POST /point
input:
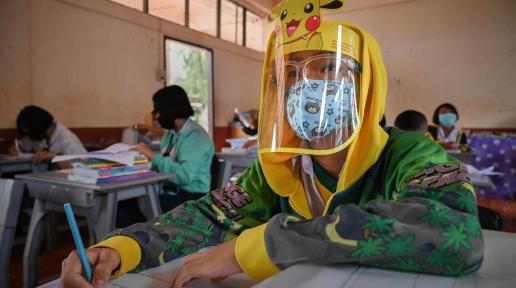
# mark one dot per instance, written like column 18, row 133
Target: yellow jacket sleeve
column 251, row 254
column 128, row 249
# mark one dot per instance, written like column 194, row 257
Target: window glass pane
column 228, row 21
column 171, row 10
column 190, row 67
column 135, row 4
column 203, row 16
column 254, row 31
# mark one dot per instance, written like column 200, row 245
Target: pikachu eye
column 284, row 14
column 309, row 8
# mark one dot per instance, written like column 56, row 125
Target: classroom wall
column 436, row 51
column 15, row 71
column 94, row 63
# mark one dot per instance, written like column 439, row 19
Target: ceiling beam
column 260, row 7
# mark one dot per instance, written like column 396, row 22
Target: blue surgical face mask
column 316, row 108
column 447, row 119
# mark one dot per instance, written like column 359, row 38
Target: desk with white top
column 498, row 270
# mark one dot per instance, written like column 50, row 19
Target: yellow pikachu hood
column 323, row 90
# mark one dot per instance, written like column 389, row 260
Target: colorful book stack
column 98, row 171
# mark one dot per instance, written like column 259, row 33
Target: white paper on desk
column 126, row 158
column 23, row 156
column 114, row 149
column 484, row 172
column 118, row 152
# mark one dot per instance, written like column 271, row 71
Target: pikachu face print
column 298, row 21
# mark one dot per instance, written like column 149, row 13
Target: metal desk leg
column 31, row 251
column 105, row 222
column 149, row 204
column 6, row 241
column 91, row 232
column 154, row 199
column 51, row 232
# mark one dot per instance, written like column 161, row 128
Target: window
column 203, row 16
column 190, row 67
column 226, row 23
column 171, row 10
column 231, row 22
column 254, row 31
column 135, row 4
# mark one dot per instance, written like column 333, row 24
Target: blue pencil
column 86, row 266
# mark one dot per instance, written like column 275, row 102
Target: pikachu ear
column 274, row 13
column 332, row 4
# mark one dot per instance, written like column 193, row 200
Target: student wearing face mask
column 331, row 186
column 186, row 149
column 445, row 130
column 39, row 133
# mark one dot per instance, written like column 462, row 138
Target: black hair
column 33, row 122
column 450, row 106
column 411, row 120
column 172, row 101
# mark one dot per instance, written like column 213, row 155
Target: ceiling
column 263, row 6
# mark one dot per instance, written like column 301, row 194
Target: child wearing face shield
column 445, row 130
column 330, row 185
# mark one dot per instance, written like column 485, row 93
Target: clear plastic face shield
column 311, row 103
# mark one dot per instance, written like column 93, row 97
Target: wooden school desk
column 96, row 202
column 498, row 270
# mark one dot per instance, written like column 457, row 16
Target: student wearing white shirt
column 39, row 133
column 445, row 130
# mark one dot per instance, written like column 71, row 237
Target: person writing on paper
column 186, row 149
column 39, row 133
column 331, row 186
column 445, row 131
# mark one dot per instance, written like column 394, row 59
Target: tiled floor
column 49, row 265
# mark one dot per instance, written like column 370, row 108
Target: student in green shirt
column 186, row 149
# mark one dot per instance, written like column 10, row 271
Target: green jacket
column 414, row 210
column 190, row 157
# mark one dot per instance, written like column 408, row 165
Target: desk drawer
column 61, row 194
